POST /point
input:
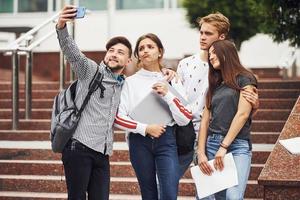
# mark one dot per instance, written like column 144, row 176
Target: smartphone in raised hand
column 80, row 13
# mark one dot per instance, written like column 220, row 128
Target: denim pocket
column 214, row 140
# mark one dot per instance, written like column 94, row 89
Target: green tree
column 281, row 19
column 243, row 15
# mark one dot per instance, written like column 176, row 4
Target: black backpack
column 66, row 115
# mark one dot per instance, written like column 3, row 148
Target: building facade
column 131, row 18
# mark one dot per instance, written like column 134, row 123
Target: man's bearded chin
column 114, row 68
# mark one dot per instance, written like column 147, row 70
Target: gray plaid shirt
column 95, row 128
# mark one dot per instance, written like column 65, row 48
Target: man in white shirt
column 194, row 73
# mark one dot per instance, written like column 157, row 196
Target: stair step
column 279, row 93
column 267, row 125
column 36, row 94
column 262, row 114
column 41, row 85
column 282, row 84
column 35, row 113
column 48, row 94
column 55, row 168
column 123, row 185
column 16, row 195
column 267, row 72
column 36, row 103
column 272, row 114
column 264, row 137
column 119, row 136
column 41, row 124
column 40, row 150
column 44, row 124
column 54, row 85
column 8, row 195
column 42, row 135
column 266, row 103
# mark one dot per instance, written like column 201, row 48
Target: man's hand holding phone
column 69, row 13
column 80, row 12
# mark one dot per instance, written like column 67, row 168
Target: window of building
column 94, row 4
column 6, row 6
column 32, row 5
column 139, row 4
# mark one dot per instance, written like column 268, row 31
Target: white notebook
column 154, row 110
column 292, row 145
column 218, row 181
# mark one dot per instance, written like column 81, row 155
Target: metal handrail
column 21, row 50
column 37, row 42
column 30, row 33
column 15, row 49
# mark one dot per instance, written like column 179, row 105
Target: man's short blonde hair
column 218, row 20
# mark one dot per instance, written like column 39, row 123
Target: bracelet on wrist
column 224, row 146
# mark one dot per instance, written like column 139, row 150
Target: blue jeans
column 155, row 156
column 241, row 151
column 86, row 171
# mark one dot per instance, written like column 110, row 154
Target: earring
column 159, row 55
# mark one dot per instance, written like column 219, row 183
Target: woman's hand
column 219, row 159
column 203, row 164
column 155, row 130
column 160, row 88
column 169, row 75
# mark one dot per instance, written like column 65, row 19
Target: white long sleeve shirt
column 194, row 74
column 135, row 88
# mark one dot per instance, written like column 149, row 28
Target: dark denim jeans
column 86, row 171
column 186, row 160
column 155, row 156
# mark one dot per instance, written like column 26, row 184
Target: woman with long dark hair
column 152, row 147
column 226, row 121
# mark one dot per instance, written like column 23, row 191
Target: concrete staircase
column 29, row 169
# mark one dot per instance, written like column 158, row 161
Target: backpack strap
column 95, row 83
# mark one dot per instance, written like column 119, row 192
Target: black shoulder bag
column 185, row 137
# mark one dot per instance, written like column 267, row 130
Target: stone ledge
column 281, row 174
